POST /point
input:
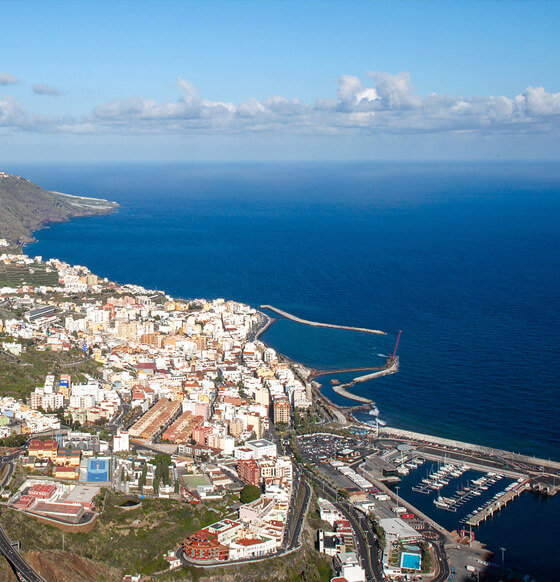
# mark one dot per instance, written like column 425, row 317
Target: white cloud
column 7, row 79
column 387, row 104
column 42, row 89
column 12, row 112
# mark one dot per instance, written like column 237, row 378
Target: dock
column 317, row 324
column 488, row 510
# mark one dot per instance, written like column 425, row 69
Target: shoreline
column 346, row 411
column 95, row 210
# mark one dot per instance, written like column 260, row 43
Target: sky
column 172, row 80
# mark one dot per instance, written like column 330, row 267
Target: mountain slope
column 25, row 207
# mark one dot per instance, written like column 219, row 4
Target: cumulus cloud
column 15, row 117
column 381, row 103
column 7, row 79
column 42, row 89
column 387, row 104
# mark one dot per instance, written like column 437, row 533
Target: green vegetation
column 19, row 376
column 426, row 557
column 307, row 565
column 250, row 493
column 36, row 275
column 142, row 478
column 308, row 421
column 16, row 440
column 379, row 532
column 315, row 521
column 25, row 206
column 133, row 540
column 162, row 463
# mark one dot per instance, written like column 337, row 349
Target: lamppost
column 503, row 551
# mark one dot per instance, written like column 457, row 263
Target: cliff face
column 25, row 207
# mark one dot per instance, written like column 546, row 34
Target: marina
column 499, row 501
column 456, row 490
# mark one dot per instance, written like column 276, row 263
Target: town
column 145, row 397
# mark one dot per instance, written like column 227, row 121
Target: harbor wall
column 317, row 324
column 389, row 431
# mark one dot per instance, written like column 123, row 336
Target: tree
column 250, row 493
column 142, row 478
column 426, row 557
column 156, row 484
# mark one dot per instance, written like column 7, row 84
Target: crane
column 396, row 345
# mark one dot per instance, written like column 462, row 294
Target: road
column 444, row 570
column 296, row 515
column 22, row 569
column 365, row 538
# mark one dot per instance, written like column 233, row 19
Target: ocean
column 463, row 257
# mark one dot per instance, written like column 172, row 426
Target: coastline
column 348, row 409
column 28, row 208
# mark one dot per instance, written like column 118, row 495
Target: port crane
column 396, row 346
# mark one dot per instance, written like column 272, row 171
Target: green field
column 20, row 375
column 17, row 275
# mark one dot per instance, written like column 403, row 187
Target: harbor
column 460, row 487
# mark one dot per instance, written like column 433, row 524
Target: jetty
column 317, row 373
column 391, row 366
column 317, row 324
column 491, row 508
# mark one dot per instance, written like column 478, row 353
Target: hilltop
column 26, row 207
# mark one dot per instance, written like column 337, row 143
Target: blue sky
column 134, row 80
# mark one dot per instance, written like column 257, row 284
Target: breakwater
column 262, row 325
column 317, row 324
column 549, row 464
column 391, row 367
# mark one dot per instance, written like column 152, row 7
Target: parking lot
column 324, row 447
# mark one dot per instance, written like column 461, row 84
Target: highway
column 21, row 568
column 296, row 515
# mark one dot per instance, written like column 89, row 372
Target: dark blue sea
column 463, row 257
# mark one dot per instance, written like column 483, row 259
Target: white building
column 121, row 441
column 262, row 448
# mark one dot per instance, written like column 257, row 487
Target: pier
column 317, row 324
column 391, row 366
column 488, row 510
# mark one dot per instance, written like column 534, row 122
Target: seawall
column 392, row 368
column 317, row 324
column 388, row 431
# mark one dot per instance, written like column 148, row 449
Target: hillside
column 25, row 207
